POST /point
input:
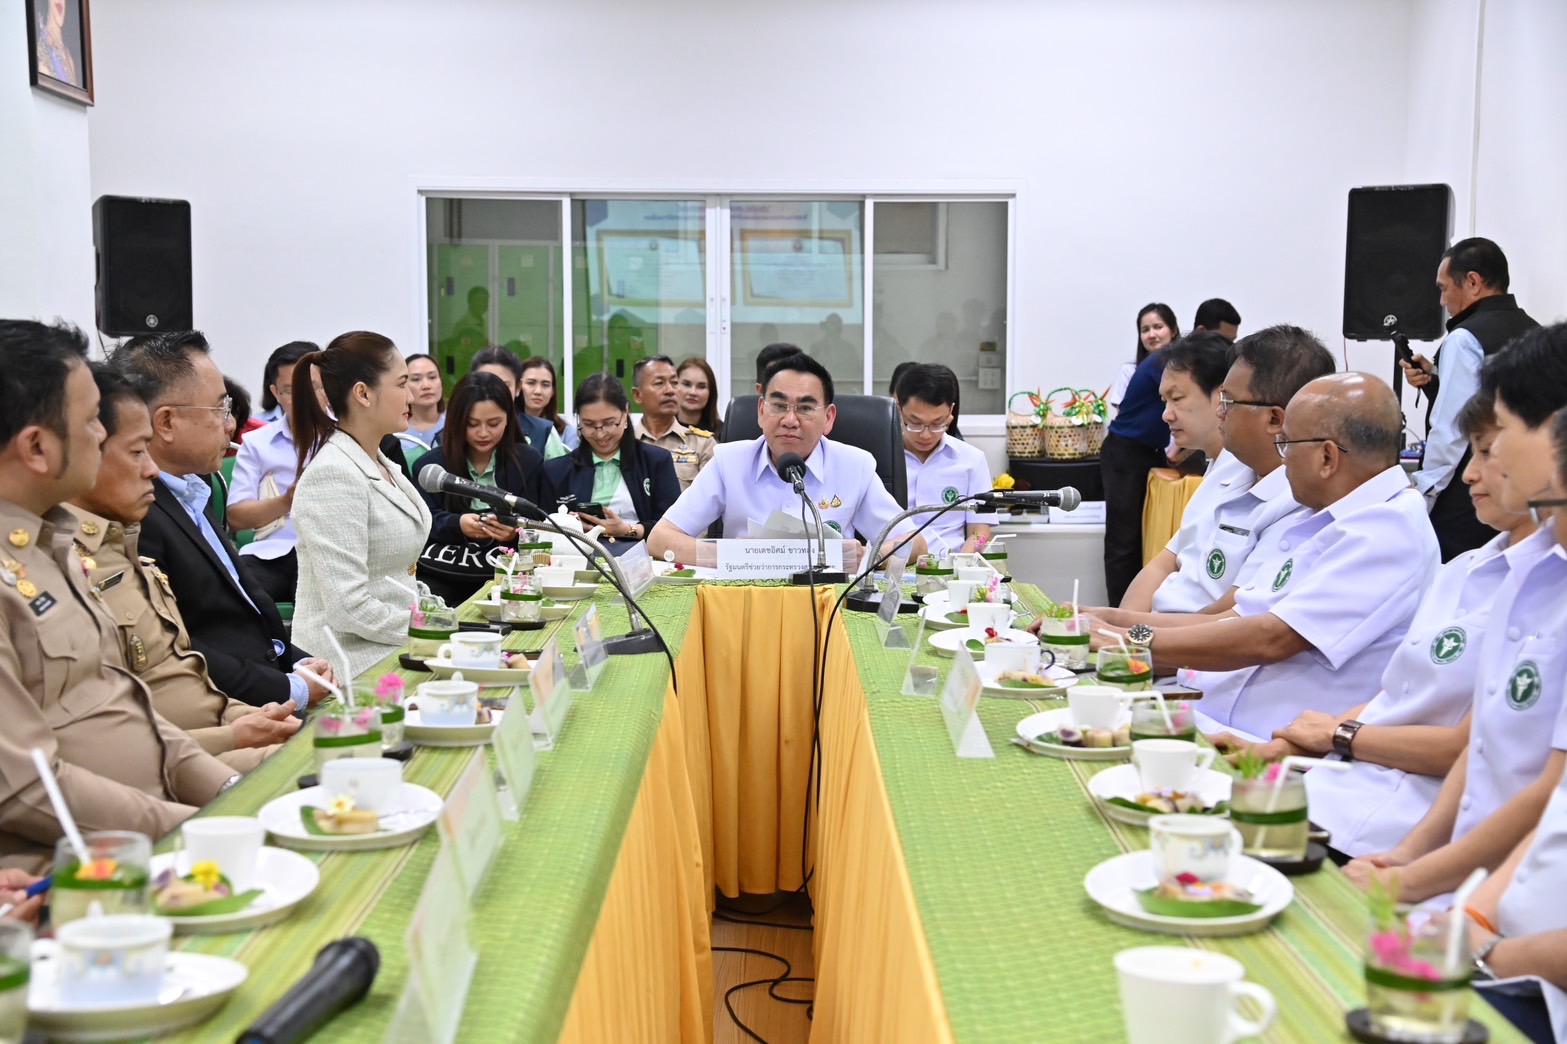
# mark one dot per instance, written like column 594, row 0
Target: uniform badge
column 19, row 538
column 1449, row 645
column 42, row 604
column 835, row 527
column 1523, row 688
column 824, row 504
column 90, row 528
column 1217, row 564
column 699, row 432
column 26, row 588
column 138, row 651
column 949, row 495
column 1285, row 572
column 837, row 501
column 12, row 565
column 647, row 486
column 7, row 578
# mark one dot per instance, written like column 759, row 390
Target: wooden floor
column 774, row 1021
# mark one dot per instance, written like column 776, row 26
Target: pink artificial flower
column 362, row 718
column 1188, row 879
column 1391, row 948
column 1273, row 772
column 417, row 617
column 330, row 725
column 389, row 687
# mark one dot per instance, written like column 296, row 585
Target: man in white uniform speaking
column 742, row 482
column 1330, row 591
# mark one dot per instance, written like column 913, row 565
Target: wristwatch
column 1344, row 738
column 1140, row 634
column 1483, row 971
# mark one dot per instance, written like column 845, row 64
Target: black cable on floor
column 721, row 916
column 772, row 985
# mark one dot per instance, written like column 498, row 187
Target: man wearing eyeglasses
column 231, row 619
column 941, row 469
column 1327, row 592
column 796, row 413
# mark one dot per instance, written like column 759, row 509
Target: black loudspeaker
column 143, row 248
column 1396, row 237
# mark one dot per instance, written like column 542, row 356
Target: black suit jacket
column 650, row 477
column 235, row 637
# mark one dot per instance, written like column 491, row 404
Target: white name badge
column 470, row 821
column 771, row 559
column 637, row 565
column 960, row 708
column 514, row 756
column 589, row 634
column 440, row 960
column 551, row 695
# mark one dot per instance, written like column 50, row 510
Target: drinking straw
column 1455, row 924
column 328, row 686
column 1277, row 790
column 346, row 694
column 1164, row 708
column 62, row 811
column 1074, row 605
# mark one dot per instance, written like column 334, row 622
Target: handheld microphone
column 791, row 466
column 435, row 479
column 1066, row 498
column 338, row 980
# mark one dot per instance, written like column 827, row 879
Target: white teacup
column 480, row 649
column 1096, row 706
column 959, row 592
column 233, row 842
column 1014, row 656
column 373, row 783
column 1203, row 846
column 979, row 574
column 572, row 562
column 112, row 960
column 449, row 703
column 990, row 614
column 1174, row 995
column 557, row 576
column 1170, row 764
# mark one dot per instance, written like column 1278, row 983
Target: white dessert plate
column 989, row 672
column 935, row 615
column 947, row 642
column 483, row 675
column 1114, row 883
column 423, row 735
column 491, row 609
column 1123, row 782
column 285, row 879
column 1036, row 725
column 574, row 593
column 416, row 809
column 195, row 986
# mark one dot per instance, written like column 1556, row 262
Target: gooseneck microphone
column 1066, row 498
column 338, row 980
column 435, row 479
column 791, row 467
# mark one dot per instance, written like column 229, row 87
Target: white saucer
column 285, row 879
column 448, row 735
column 988, row 672
column 491, row 609
column 1123, row 782
column 589, row 576
column 194, row 987
column 574, row 593
column 1035, row 725
column 417, row 810
column 935, row 615
column 947, row 642
column 483, row 675
column 1113, row 885
column 940, row 597
column 665, row 578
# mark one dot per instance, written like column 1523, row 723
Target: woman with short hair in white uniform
column 1404, row 741
column 941, row 467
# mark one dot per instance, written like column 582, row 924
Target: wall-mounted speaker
column 144, row 268
column 1396, row 237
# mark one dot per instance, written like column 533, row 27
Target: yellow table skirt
column 648, row 972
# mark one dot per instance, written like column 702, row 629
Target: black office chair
column 870, row 422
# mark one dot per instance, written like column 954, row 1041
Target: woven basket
column 1065, row 437
column 1025, row 438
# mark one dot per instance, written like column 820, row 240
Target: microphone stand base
column 819, row 577
column 870, row 602
column 634, row 644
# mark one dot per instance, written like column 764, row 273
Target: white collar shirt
column 267, row 453
column 1429, row 681
column 1533, row 900
column 1517, row 717
column 1219, row 528
column 1347, row 579
column 954, row 469
column 740, row 484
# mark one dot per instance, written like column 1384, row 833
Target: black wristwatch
column 1344, row 739
column 1140, row 634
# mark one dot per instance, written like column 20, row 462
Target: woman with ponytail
column 361, row 523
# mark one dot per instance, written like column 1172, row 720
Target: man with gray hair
column 1328, row 592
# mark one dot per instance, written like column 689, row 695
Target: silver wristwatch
column 1483, row 971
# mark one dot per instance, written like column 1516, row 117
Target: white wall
column 46, row 255
column 1159, row 151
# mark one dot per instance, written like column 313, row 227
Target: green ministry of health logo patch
column 949, row 495
column 834, row 526
column 1216, row 563
column 1449, row 645
column 1523, row 688
column 1285, row 572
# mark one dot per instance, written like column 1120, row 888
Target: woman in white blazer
column 361, row 523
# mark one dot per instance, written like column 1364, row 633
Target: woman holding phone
column 613, row 479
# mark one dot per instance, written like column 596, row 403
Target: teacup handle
column 1050, row 653
column 1240, row 1026
column 1237, row 843
column 444, row 652
column 1206, row 757
column 45, row 949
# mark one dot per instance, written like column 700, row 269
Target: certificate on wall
column 797, row 268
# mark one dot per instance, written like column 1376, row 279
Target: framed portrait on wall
column 59, row 48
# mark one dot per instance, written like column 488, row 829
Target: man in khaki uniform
column 137, row 595
column 654, row 387
column 62, row 689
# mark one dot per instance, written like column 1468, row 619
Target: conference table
column 948, row 893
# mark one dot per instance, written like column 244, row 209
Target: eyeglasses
column 226, row 409
column 1535, row 507
column 1225, row 402
column 921, row 429
column 595, row 427
column 803, row 410
column 1280, row 442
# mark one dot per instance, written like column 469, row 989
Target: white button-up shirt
column 740, row 483
column 267, row 452
column 1533, row 900
column 1347, row 579
column 1429, row 681
column 1218, row 531
column 954, row 469
column 1518, row 702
